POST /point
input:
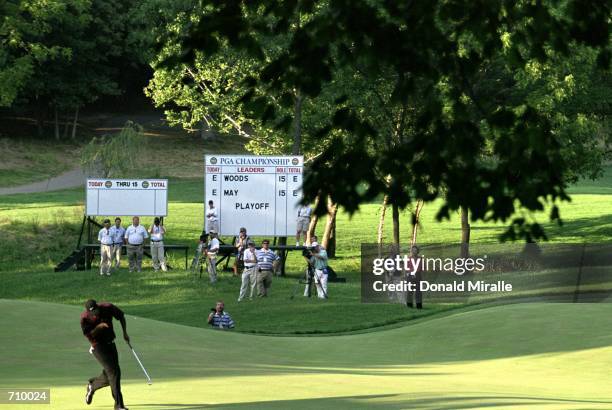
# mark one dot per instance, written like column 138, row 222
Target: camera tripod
column 309, row 282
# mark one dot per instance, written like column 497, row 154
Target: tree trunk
column 416, row 215
column 332, row 210
column 313, row 222
column 465, row 232
column 66, row 127
column 56, row 123
column 396, row 225
column 40, row 118
column 74, row 123
column 381, row 221
column 331, row 244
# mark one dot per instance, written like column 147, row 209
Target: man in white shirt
column 250, row 270
column 106, row 248
column 157, row 232
column 303, row 223
column 212, row 218
column 118, row 232
column 213, row 248
column 135, row 236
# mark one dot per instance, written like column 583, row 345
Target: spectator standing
column 135, row 236
column 211, row 254
column 265, row 267
column 118, row 233
column 106, row 248
column 212, row 218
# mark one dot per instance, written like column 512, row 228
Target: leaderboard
column 260, row 193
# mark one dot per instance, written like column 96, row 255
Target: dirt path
column 100, row 124
column 69, row 179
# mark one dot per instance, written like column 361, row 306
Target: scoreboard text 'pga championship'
column 261, row 193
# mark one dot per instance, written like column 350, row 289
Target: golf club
column 149, row 382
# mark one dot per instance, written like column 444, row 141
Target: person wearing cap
column 241, row 245
column 211, row 254
column 118, row 232
column 157, row 232
column 250, row 270
column 319, row 263
column 303, row 223
column 212, row 217
column 265, row 266
column 105, row 238
column 135, row 236
column 97, row 327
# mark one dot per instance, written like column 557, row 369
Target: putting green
column 537, row 356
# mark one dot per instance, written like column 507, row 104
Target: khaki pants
column 212, row 226
column 116, row 256
column 212, row 267
column 134, row 254
column 248, row 278
column 157, row 255
column 105, row 259
column 264, row 282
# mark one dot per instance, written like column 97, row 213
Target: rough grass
column 28, row 160
column 43, row 229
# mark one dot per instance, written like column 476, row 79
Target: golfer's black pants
column 106, row 354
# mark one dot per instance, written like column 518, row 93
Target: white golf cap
column 314, row 244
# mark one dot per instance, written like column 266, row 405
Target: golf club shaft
column 140, row 363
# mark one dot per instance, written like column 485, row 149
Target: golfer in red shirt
column 97, row 325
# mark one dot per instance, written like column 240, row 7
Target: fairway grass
column 512, row 357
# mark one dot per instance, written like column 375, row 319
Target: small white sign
column 139, row 197
column 260, row 193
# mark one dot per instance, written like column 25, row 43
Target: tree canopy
column 496, row 157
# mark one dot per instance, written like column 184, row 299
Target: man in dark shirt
column 97, row 326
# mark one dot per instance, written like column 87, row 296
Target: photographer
column 219, row 319
column 241, row 245
column 157, row 232
column 318, row 266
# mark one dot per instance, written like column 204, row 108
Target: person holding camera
column 250, row 271
column 265, row 266
column 241, row 246
column 211, row 254
column 157, row 232
column 219, row 318
column 318, row 264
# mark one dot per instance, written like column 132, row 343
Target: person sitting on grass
column 220, row 319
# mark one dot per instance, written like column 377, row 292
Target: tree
column 61, row 55
column 436, row 51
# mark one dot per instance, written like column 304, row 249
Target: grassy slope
column 470, row 360
column 28, row 160
column 40, row 229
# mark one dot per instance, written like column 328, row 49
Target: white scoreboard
column 139, row 197
column 261, row 193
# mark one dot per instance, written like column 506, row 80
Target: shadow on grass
column 387, row 401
